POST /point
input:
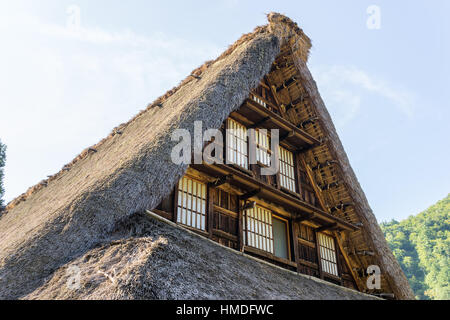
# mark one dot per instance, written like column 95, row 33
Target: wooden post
column 313, row 183
column 347, row 260
column 210, row 202
column 297, row 163
column 295, row 243
column 240, row 226
column 175, row 203
column 338, row 262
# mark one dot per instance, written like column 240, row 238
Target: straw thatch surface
column 61, row 220
column 149, row 259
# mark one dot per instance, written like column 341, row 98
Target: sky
column 70, row 71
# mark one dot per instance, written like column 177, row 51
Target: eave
column 267, row 119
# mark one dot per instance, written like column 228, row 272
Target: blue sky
column 65, row 88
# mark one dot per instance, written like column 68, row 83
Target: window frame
column 182, row 196
column 261, row 148
column 273, row 215
column 255, row 235
column 294, row 171
column 230, row 145
column 324, row 254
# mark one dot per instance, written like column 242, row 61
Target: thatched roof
column 148, row 259
column 65, row 217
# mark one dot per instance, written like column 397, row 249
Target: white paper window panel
column 287, row 173
column 258, row 233
column 328, row 254
column 191, row 209
column 258, row 100
column 263, row 145
column 237, row 144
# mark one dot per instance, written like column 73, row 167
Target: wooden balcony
column 244, row 180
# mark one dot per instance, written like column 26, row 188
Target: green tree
column 2, row 165
column 421, row 245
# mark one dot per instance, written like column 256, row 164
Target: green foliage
column 2, row 165
column 421, row 244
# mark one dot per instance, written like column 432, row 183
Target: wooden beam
column 341, row 206
column 241, row 228
column 210, row 200
column 333, row 225
column 347, row 261
column 307, row 121
column 329, row 185
column 305, row 217
column 274, row 94
column 250, row 194
column 295, row 243
column 286, row 84
column 249, row 205
column 220, row 181
column 290, row 134
column 317, row 191
column 259, row 123
column 324, row 164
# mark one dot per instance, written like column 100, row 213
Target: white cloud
column 63, row 90
column 347, row 89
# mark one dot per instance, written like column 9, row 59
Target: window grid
column 287, row 173
column 237, row 143
column 262, row 147
column 258, row 229
column 258, row 100
column 191, row 207
column 328, row 254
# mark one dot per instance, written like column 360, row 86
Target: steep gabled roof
column 64, row 217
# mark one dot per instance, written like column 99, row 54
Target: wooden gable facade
column 282, row 218
column 311, row 216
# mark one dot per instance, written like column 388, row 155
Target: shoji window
column 262, row 147
column 287, row 173
column 191, row 207
column 327, row 254
column 258, row 229
column 237, row 144
column 258, row 100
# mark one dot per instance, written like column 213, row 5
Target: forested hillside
column 421, row 244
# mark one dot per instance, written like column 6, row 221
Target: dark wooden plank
column 240, row 227
column 175, row 204
column 294, row 243
column 210, row 213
